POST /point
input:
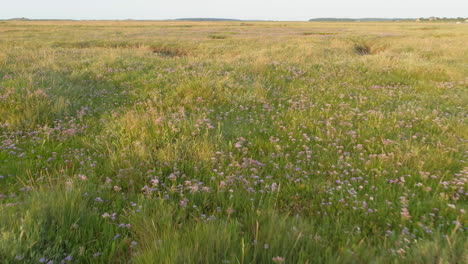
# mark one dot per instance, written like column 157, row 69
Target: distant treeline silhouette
column 325, row 19
column 208, row 19
column 334, row 19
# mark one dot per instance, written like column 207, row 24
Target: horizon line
column 230, row 19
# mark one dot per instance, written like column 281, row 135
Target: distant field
column 233, row 142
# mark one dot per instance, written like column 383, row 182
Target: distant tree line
column 334, row 19
column 208, row 19
column 442, row 19
column 325, row 19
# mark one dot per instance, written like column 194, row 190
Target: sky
column 240, row 9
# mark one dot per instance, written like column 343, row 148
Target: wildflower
column 401, row 251
column 405, row 213
column 222, row 184
column 405, row 231
column 154, row 182
column 403, row 201
column 172, row 177
column 82, row 177
column 451, row 206
column 147, row 190
column 278, row 259
column 184, row 202
column 99, row 200
column 274, row 186
column 69, row 183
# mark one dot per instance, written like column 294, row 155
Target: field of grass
column 233, row 142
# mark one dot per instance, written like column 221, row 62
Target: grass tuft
column 217, row 36
column 166, row 51
column 367, row 47
column 318, row 33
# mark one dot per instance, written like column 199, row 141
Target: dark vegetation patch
column 362, row 49
column 216, row 36
column 367, row 47
column 159, row 49
column 318, row 33
column 12, row 30
column 426, row 28
column 97, row 44
column 180, row 26
column 167, row 51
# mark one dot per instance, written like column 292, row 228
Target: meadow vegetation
column 233, row 142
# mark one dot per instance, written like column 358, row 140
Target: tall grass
column 163, row 142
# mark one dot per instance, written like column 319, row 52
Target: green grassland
column 233, row 142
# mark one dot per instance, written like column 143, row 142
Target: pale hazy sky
column 241, row 9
